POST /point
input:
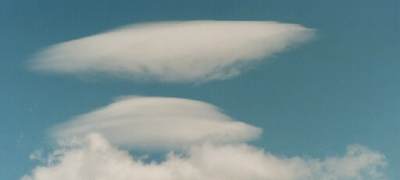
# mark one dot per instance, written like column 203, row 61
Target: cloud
column 96, row 159
column 199, row 142
column 188, row 51
column 158, row 122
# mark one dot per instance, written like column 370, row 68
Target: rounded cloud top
column 158, row 122
column 188, row 51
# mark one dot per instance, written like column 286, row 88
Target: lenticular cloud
column 158, row 123
column 188, row 51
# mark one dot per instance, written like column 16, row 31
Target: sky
column 292, row 101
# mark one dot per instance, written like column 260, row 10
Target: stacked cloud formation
column 202, row 142
column 212, row 148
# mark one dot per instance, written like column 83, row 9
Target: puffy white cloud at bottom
column 96, row 159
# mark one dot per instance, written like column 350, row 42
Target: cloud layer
column 202, row 143
column 188, row 51
column 96, row 159
column 158, row 122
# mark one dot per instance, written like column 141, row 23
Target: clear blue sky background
column 341, row 88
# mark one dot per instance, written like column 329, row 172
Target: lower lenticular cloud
column 96, row 159
column 188, row 51
column 158, row 122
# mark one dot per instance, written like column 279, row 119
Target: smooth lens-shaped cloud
column 157, row 122
column 189, row 51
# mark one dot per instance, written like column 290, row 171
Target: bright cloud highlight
column 158, row 122
column 95, row 158
column 187, row 51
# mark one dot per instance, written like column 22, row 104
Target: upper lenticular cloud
column 159, row 122
column 188, row 51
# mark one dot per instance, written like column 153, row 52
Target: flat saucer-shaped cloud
column 157, row 123
column 188, row 51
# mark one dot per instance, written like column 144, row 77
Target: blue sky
column 340, row 88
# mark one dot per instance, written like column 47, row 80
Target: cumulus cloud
column 158, row 122
column 188, row 51
column 95, row 158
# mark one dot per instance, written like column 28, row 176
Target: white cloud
column 189, row 51
column 211, row 147
column 159, row 122
column 96, row 159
